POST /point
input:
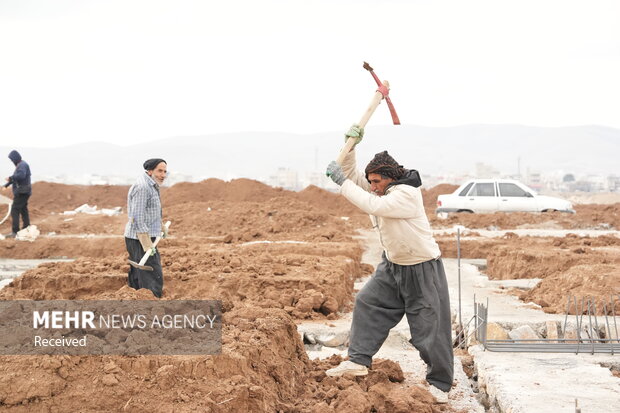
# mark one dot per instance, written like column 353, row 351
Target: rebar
column 458, row 259
column 591, row 341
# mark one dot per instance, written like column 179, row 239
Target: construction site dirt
column 274, row 258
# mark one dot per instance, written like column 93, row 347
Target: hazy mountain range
column 433, row 151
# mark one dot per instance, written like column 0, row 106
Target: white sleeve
column 349, row 167
column 398, row 203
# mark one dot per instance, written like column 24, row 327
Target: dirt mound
column 597, row 281
column 308, row 283
column 275, row 219
column 215, row 189
column 572, row 265
column 61, row 247
column 328, row 201
column 82, row 224
column 588, row 216
column 263, row 368
column 50, row 197
column 430, row 195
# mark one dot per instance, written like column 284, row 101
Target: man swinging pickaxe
column 381, row 93
column 410, row 278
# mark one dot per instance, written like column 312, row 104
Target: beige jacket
column 398, row 216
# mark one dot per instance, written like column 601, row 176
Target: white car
column 498, row 195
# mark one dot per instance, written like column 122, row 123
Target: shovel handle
column 146, row 255
column 374, row 103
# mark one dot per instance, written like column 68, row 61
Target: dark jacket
column 21, row 177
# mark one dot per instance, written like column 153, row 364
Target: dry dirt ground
column 230, row 241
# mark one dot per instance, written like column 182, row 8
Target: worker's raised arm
column 349, row 164
column 401, row 202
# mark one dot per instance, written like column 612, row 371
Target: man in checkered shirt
column 144, row 225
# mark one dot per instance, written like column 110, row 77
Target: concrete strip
column 519, row 382
column 484, row 233
column 503, row 308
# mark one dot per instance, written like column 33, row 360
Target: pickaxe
column 381, row 93
column 141, row 265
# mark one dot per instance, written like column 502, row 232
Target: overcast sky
column 132, row 71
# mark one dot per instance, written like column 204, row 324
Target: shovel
column 140, row 265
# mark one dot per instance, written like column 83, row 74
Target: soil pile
column 430, row 196
column 262, row 368
column 216, row 189
column 572, row 265
column 308, row 283
column 49, row 197
column 588, row 216
column 274, row 219
column 328, row 201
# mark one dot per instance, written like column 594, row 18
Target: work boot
column 439, row 395
column 347, row 367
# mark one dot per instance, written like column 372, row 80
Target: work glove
column 147, row 244
column 354, row 132
column 334, row 171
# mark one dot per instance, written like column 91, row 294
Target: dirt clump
column 382, row 390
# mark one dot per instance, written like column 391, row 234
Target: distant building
column 613, row 183
column 284, row 178
column 315, row 178
column 533, row 180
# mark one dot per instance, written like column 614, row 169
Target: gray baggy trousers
column 421, row 292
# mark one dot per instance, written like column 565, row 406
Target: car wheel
column 466, row 210
column 548, row 210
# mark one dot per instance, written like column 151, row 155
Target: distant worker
column 144, row 225
column 22, row 189
column 410, row 280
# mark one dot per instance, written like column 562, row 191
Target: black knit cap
column 383, row 164
column 151, row 164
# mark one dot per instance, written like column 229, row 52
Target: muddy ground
column 231, row 241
